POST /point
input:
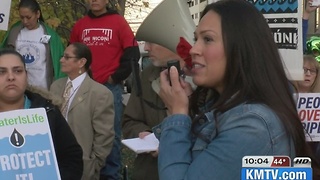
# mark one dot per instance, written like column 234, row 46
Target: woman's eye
column 195, row 39
column 207, row 39
column 18, row 71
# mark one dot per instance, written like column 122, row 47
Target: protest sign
column 285, row 22
column 308, row 106
column 4, row 14
column 27, row 150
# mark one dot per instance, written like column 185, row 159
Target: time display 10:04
column 266, row 161
column 256, row 160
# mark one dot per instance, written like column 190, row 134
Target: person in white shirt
column 40, row 46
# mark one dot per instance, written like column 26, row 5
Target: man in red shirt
column 114, row 49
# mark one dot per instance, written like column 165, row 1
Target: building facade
column 196, row 7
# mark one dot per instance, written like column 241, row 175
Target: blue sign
column 27, row 151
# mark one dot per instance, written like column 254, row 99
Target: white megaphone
column 169, row 21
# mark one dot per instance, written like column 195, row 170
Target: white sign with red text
column 308, row 106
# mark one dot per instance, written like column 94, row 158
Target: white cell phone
column 315, row 3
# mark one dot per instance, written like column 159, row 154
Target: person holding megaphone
column 145, row 108
column 242, row 106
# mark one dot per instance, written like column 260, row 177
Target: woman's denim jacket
column 216, row 152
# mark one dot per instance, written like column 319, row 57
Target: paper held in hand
column 147, row 144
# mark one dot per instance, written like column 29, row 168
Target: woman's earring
column 80, row 71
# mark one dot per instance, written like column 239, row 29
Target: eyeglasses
column 312, row 71
column 68, row 57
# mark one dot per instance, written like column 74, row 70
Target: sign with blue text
column 4, row 14
column 308, row 106
column 27, row 151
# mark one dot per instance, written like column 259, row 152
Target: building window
column 196, row 2
column 202, row 1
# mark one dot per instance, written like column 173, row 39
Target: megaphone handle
column 136, row 76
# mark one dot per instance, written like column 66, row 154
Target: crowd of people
column 85, row 79
column 240, row 101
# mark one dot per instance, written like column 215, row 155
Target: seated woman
column 14, row 95
column 88, row 108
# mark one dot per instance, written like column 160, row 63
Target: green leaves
column 60, row 15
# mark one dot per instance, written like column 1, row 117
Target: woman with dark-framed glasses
column 310, row 84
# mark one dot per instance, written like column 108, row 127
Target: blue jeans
column 113, row 162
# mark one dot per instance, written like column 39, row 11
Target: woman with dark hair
column 15, row 94
column 88, row 108
column 243, row 105
column 39, row 45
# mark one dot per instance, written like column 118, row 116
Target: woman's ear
column 82, row 61
column 38, row 14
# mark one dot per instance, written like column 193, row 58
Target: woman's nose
column 195, row 50
column 24, row 20
column 11, row 76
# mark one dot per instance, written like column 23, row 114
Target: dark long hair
column 33, row 5
column 82, row 51
column 254, row 69
column 8, row 51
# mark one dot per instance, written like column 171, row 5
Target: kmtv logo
column 302, row 162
